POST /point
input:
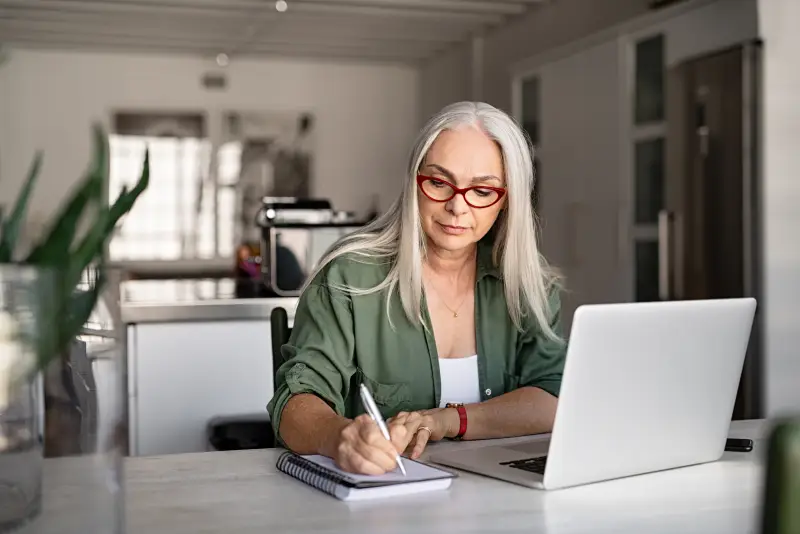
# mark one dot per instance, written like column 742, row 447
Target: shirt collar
column 485, row 261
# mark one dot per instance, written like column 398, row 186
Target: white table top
column 242, row 492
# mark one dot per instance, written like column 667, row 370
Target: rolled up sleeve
column 318, row 359
column 540, row 359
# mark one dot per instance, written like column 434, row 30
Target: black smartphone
column 739, row 445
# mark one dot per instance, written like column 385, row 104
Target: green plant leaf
column 126, row 200
column 54, row 249
column 90, row 247
column 62, row 310
column 12, row 225
column 61, row 317
column 79, row 308
column 93, row 244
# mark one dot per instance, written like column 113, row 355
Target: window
column 196, row 205
column 649, row 83
column 171, row 220
column 229, row 162
column 531, row 116
column 649, row 180
column 648, row 163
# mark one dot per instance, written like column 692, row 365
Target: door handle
column 665, row 219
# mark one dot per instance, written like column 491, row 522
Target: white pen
column 375, row 414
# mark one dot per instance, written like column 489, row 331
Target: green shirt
column 339, row 340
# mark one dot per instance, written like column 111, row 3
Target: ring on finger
column 430, row 432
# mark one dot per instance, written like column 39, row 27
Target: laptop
column 646, row 387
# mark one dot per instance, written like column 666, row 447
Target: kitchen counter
column 193, row 352
column 170, row 301
column 205, row 310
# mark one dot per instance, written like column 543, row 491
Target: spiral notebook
column 322, row 473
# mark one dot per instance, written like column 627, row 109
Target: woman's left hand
column 418, row 428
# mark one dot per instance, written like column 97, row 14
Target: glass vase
column 60, row 430
column 21, row 414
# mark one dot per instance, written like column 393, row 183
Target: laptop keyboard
column 534, row 465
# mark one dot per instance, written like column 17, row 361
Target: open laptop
column 646, row 387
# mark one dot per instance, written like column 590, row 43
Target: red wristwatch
column 462, row 416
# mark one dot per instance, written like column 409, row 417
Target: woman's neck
column 449, row 265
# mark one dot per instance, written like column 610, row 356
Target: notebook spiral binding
column 309, row 472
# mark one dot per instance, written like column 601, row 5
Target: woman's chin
column 452, row 243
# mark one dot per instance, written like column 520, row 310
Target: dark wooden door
column 708, row 231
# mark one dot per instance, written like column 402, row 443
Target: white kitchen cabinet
column 181, row 374
column 579, row 170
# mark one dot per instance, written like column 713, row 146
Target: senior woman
column 443, row 307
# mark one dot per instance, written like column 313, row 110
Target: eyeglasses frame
column 421, row 178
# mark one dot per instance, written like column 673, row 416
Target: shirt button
column 488, row 392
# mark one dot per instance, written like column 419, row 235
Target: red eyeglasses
column 477, row 196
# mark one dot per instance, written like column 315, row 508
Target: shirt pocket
column 391, row 398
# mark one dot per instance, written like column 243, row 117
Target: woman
column 443, row 307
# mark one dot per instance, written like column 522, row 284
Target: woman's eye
column 437, row 183
column 483, row 192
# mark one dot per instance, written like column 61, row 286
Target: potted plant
column 43, row 310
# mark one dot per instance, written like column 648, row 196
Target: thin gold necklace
column 454, row 312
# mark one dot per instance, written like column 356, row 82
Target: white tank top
column 459, row 380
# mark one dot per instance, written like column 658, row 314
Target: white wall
column 366, row 115
column 710, row 26
column 781, row 198
column 551, row 25
column 447, row 78
column 580, row 170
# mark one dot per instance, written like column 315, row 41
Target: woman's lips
column 453, row 230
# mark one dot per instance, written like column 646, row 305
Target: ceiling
column 384, row 30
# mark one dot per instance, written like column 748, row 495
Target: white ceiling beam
column 388, row 30
column 500, row 7
column 378, row 11
column 89, row 6
column 246, row 7
column 294, row 20
column 364, row 32
column 127, row 49
column 509, row 7
column 103, row 37
column 227, row 29
column 129, row 21
column 83, row 43
column 135, row 30
column 220, row 42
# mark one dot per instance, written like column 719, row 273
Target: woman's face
column 464, row 157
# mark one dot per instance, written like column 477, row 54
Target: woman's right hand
column 359, row 447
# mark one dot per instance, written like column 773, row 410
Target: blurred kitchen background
column 666, row 136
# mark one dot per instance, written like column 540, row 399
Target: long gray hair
column 398, row 239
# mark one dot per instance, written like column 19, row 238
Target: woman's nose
column 457, row 205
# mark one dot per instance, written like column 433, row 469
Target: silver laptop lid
column 647, row 387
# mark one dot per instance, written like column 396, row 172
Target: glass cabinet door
column 648, row 163
column 531, row 114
